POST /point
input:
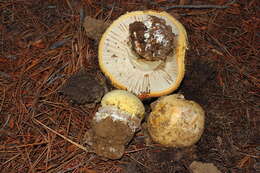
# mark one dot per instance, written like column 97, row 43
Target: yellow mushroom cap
column 124, row 101
column 127, row 71
column 176, row 122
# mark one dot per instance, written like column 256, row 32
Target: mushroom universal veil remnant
column 143, row 52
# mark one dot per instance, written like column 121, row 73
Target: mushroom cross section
column 128, row 71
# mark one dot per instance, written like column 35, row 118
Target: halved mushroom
column 115, row 123
column 136, row 71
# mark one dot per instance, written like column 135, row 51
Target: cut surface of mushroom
column 115, row 123
column 127, row 71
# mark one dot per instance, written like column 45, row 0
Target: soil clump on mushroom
column 108, row 137
column 152, row 39
column 115, row 124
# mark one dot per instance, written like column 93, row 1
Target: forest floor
column 42, row 43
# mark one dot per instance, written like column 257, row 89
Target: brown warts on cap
column 152, row 39
column 84, row 87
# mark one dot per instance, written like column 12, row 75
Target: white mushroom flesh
column 117, row 115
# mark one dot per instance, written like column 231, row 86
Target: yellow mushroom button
column 176, row 122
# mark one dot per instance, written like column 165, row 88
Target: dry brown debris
column 84, row 87
column 94, row 28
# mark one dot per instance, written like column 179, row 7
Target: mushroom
column 176, row 122
column 115, row 123
column 146, row 74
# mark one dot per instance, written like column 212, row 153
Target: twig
column 138, row 162
column 136, row 150
column 12, row 158
column 5, row 76
column 5, row 124
column 249, row 155
column 197, row 7
column 8, row 116
column 69, row 4
column 66, row 160
column 38, row 160
column 60, row 135
column 2, row 103
column 77, row 166
column 55, row 75
column 25, row 145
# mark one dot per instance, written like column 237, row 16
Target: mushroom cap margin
column 124, row 101
column 180, row 51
